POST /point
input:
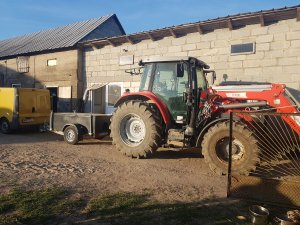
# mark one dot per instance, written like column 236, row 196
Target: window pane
column 242, row 48
column 51, row 62
column 201, row 80
column 146, row 77
column 183, row 82
column 114, row 93
column 165, row 77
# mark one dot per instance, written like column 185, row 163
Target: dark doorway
column 1, row 80
column 54, row 98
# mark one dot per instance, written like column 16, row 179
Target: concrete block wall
column 276, row 59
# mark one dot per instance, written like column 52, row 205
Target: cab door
column 169, row 87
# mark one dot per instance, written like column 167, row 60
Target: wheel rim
column 70, row 135
column 222, row 147
column 132, row 130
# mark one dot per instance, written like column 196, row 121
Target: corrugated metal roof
column 61, row 37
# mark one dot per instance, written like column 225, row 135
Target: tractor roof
column 173, row 59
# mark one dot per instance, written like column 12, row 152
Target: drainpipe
column 33, row 71
column 4, row 79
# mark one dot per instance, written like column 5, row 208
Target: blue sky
column 19, row 17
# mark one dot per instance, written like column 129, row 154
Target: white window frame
column 51, row 60
column 244, row 53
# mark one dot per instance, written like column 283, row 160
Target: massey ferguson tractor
column 176, row 107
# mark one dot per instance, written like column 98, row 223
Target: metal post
column 230, row 154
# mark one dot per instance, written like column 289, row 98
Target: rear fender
column 205, row 129
column 146, row 96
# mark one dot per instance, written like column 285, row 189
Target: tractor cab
column 177, row 81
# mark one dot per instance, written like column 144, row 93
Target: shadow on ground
column 23, row 136
column 165, row 153
column 58, row 206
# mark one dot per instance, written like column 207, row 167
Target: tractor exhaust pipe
column 244, row 105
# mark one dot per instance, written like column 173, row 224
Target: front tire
column 71, row 135
column 4, row 126
column 135, row 129
column 215, row 149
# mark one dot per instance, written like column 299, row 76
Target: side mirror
column 213, row 75
column 180, row 70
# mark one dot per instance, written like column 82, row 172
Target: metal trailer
column 74, row 126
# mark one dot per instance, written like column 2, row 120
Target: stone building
column 52, row 59
column 262, row 46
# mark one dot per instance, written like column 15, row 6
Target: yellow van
column 21, row 107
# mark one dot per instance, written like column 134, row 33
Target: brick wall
column 277, row 56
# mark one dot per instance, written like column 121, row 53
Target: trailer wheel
column 135, row 129
column 4, row 126
column 215, row 149
column 71, row 135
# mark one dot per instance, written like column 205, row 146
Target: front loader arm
column 273, row 94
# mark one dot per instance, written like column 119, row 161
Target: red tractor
column 176, row 107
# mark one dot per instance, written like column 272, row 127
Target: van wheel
column 4, row 126
column 71, row 135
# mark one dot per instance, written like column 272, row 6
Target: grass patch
column 115, row 203
column 37, row 207
column 58, row 206
column 128, row 208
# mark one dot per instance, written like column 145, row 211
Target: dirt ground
column 38, row 160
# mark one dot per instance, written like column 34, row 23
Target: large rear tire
column 215, row 149
column 135, row 129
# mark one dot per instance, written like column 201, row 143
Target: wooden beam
column 199, row 28
column 129, row 40
column 262, row 20
column 173, row 33
column 94, row 46
column 150, row 36
column 298, row 13
column 111, row 43
column 229, row 24
column 81, row 46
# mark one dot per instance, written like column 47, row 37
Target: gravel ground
column 38, row 160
